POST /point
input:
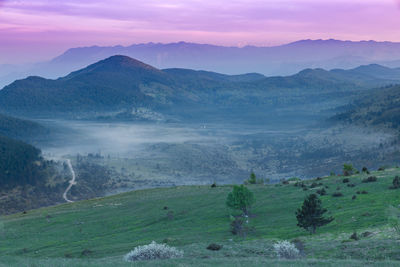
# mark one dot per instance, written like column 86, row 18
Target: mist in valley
column 139, row 155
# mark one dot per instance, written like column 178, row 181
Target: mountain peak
column 123, row 61
column 117, row 63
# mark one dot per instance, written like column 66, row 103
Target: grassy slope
column 110, row 227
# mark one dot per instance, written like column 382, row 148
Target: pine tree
column 310, row 216
column 253, row 178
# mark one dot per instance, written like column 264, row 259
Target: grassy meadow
column 100, row 231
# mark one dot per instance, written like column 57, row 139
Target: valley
column 121, row 136
column 181, row 133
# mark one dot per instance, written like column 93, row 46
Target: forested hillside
column 122, row 84
column 21, row 129
column 380, row 108
column 20, row 163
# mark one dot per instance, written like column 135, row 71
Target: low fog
column 163, row 154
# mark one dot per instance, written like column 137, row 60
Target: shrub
column 321, row 192
column 365, row 169
column 337, row 194
column 314, row 184
column 354, row 197
column 366, row 234
column 382, row 168
column 86, row 252
column 286, row 250
column 348, row 169
column 370, row 179
column 351, row 185
column 364, row 192
column 396, row 183
column 300, row 184
column 213, row 185
column 346, row 180
column 153, row 251
column 214, row 247
column 354, row 236
column 253, row 178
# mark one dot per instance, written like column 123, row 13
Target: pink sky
column 41, row 29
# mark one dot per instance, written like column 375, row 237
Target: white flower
column 286, row 250
column 153, row 251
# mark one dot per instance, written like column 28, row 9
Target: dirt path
column 71, row 182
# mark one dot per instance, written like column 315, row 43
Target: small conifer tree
column 253, row 178
column 310, row 215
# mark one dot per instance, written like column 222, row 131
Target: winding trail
column 71, row 182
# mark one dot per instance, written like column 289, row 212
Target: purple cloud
column 62, row 24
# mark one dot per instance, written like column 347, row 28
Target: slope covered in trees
column 21, row 129
column 120, row 83
column 380, row 108
column 20, row 163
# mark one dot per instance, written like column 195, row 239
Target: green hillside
column 100, row 231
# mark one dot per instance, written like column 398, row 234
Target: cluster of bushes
column 348, row 170
column 314, row 184
column 300, row 184
column 337, row 194
column 254, row 180
column 370, row 179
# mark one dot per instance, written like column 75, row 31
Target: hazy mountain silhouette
column 278, row 60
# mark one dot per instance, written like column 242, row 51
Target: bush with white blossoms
column 286, row 250
column 153, row 251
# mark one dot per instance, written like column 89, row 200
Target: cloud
column 226, row 22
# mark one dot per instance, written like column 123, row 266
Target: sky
column 38, row 30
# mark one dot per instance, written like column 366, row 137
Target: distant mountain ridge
column 120, row 84
column 277, row 60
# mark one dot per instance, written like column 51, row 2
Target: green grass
column 112, row 226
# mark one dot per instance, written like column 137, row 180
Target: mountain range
column 120, row 84
column 277, row 60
